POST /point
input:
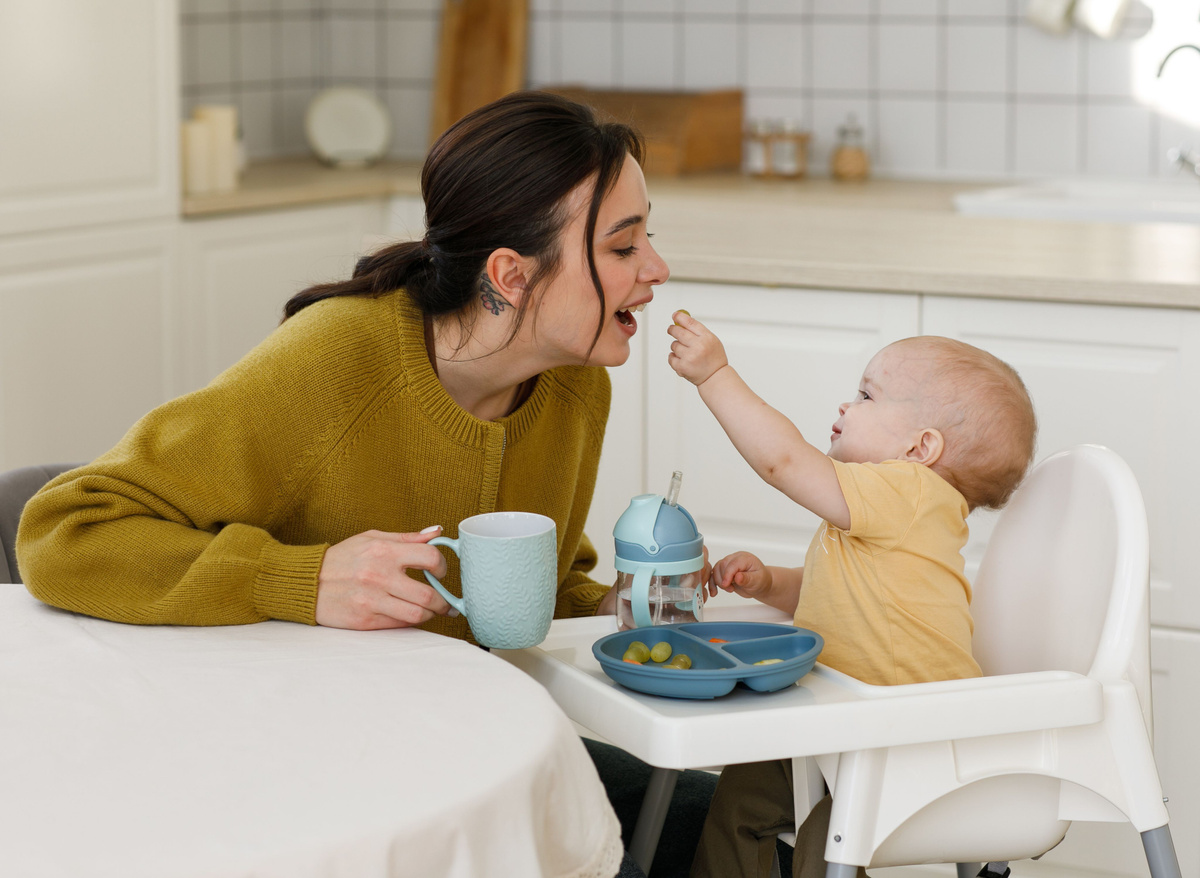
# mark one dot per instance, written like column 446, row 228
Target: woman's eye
column 626, row 251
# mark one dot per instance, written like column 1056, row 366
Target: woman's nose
column 654, row 271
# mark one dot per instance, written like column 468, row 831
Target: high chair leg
column 650, row 819
column 840, row 870
column 1160, row 853
column 968, row 870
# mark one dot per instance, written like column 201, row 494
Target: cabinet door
column 803, row 351
column 239, row 271
column 89, row 96
column 1120, row 377
column 1114, row 850
column 1176, row 663
column 84, row 338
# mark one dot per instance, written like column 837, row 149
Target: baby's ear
column 927, row 447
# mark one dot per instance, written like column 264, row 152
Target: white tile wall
column 943, row 88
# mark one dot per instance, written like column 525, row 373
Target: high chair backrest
column 1064, row 583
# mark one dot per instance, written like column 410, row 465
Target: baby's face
column 884, row 418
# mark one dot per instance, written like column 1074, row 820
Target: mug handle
column 639, row 598
column 457, row 603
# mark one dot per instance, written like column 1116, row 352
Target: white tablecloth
column 282, row 750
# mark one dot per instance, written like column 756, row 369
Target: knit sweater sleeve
column 173, row 525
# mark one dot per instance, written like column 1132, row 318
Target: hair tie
column 431, row 250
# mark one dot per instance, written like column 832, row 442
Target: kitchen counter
column 884, row 235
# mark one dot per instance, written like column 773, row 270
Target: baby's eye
column 863, row 395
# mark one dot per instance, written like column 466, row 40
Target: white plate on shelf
column 347, row 127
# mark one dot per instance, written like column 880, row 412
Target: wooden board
column 686, row 132
column 481, row 57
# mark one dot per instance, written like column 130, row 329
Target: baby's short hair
column 985, row 415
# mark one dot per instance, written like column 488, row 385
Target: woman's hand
column 742, row 573
column 363, row 582
column 696, row 354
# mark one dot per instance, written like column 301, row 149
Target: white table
column 826, row 712
column 282, row 750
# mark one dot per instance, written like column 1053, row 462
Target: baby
column 938, row 428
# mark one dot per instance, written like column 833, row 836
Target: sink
column 1175, row 200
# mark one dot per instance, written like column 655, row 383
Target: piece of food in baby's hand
column 661, row 651
column 682, row 311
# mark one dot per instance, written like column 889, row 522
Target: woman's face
column 567, row 312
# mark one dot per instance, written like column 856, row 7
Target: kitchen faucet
column 1172, row 52
column 1180, row 156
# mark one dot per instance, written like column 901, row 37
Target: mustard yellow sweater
column 216, row 508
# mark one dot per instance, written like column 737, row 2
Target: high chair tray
column 723, row 654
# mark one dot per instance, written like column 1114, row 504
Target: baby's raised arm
column 769, row 442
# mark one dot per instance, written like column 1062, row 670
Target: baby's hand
column 742, row 574
column 696, row 354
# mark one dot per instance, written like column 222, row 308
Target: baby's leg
column 808, row 861
column 752, row 805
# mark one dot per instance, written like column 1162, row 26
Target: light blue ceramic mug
column 509, row 567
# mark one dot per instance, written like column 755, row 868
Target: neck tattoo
column 490, row 296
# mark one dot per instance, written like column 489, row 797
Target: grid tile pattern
column 271, row 57
column 943, row 88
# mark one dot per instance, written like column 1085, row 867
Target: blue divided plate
column 716, row 667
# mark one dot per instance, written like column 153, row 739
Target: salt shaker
column 789, row 150
column 757, row 158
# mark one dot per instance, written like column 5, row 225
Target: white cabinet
column 89, row 114
column 238, row 271
column 85, row 328
column 89, row 195
column 1176, row 659
column 1120, row 377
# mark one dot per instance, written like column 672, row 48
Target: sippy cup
column 659, row 561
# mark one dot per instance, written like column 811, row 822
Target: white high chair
column 1064, row 586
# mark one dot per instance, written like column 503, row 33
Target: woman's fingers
column 364, row 581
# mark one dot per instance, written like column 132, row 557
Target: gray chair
column 16, row 487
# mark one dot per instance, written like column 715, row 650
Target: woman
column 449, row 376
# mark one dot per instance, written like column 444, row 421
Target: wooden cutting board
column 481, row 57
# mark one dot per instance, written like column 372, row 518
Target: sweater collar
column 463, row 426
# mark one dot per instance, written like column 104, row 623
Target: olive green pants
column 752, row 804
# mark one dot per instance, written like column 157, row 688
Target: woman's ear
column 508, row 276
column 927, row 447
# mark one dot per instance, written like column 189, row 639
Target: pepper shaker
column 850, row 160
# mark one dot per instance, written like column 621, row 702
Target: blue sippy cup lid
column 653, row 531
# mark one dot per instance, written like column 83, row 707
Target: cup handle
column 639, row 598
column 457, row 603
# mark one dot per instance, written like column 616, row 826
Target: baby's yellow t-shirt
column 889, row 595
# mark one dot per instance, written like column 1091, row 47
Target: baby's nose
column 842, row 408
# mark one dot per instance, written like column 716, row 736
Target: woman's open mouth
column 625, row 318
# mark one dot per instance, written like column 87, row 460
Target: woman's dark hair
column 496, row 178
